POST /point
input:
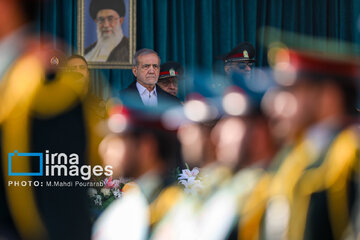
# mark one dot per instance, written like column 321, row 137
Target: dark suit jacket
column 131, row 97
column 119, row 54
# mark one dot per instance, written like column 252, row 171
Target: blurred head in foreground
column 139, row 144
column 316, row 88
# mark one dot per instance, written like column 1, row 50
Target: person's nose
column 247, row 68
column 106, row 23
column 151, row 69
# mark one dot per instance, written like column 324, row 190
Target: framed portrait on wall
column 107, row 32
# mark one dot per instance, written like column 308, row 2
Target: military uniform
column 132, row 215
column 170, row 74
column 311, row 193
column 41, row 113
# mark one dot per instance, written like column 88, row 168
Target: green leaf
column 107, row 202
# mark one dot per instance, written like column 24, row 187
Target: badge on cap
column 172, row 72
column 246, row 54
column 54, row 61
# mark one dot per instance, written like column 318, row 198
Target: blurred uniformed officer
column 311, row 193
column 13, row 45
column 228, row 175
column 141, row 148
column 40, row 110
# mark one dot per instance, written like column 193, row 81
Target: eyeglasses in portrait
column 107, row 32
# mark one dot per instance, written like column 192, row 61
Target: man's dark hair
column 74, row 56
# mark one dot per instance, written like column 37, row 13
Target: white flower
column 98, row 201
column 105, row 191
column 186, row 173
column 188, row 179
column 117, row 193
column 183, row 182
column 92, row 192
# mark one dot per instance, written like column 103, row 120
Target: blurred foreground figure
column 139, row 148
column 40, row 110
column 311, row 194
column 16, row 61
column 238, row 147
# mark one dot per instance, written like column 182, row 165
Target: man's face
column 148, row 69
column 240, row 67
column 108, row 21
column 78, row 65
column 80, row 83
column 169, row 85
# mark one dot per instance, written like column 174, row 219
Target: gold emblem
column 54, row 60
column 246, row 54
column 172, row 72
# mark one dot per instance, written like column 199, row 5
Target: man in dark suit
column 111, row 44
column 144, row 91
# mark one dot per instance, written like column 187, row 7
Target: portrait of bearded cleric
column 107, row 39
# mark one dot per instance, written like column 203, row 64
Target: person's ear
column 134, row 70
column 121, row 20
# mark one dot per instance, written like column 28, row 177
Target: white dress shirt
column 148, row 98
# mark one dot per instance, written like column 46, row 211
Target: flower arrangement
column 191, row 180
column 110, row 190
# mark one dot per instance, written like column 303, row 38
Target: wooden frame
column 87, row 36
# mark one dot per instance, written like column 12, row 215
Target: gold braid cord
column 17, row 92
column 332, row 176
column 24, row 92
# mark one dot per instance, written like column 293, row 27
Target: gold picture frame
column 87, row 36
